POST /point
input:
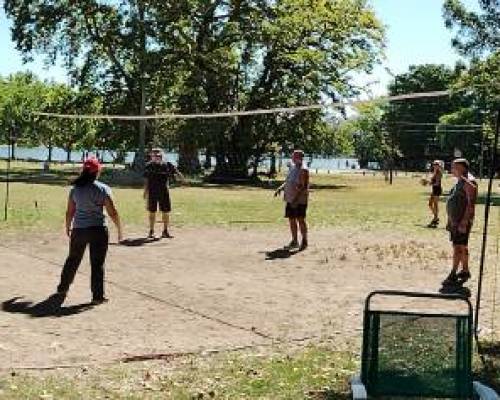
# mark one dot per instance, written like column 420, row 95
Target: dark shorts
column 159, row 201
column 297, row 211
column 437, row 191
column 459, row 238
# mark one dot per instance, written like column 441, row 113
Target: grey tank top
column 292, row 180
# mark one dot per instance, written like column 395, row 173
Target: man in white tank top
column 296, row 196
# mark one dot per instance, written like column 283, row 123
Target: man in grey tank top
column 460, row 209
column 296, row 196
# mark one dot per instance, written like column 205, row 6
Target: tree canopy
column 207, row 56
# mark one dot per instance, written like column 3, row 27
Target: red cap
column 92, row 165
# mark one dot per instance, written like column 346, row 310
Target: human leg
column 98, row 249
column 78, row 242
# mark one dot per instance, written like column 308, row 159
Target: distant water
column 59, row 155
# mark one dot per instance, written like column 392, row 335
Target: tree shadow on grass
column 326, row 394
column 50, row 307
column 36, row 176
column 490, row 364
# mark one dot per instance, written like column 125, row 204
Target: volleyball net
column 403, row 132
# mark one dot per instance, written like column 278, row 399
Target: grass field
column 336, row 200
column 316, row 370
column 314, row 373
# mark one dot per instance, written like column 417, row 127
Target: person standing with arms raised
column 296, row 196
column 86, row 225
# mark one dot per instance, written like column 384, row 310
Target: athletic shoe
column 450, row 280
column 166, row 235
column 433, row 224
column 303, row 245
column 292, row 245
column 463, row 276
column 96, row 302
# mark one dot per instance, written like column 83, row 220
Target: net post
column 485, row 227
column 7, row 179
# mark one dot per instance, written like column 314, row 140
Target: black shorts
column 296, row 211
column 437, row 191
column 459, row 238
column 159, row 201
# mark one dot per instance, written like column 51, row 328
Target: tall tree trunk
column 255, row 169
column 68, row 154
column 141, row 152
column 12, row 150
column 49, row 158
column 189, row 160
column 208, row 159
column 140, row 157
column 272, row 167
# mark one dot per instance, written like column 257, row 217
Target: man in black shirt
column 158, row 175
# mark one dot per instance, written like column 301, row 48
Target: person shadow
column 281, row 253
column 138, row 242
column 50, row 307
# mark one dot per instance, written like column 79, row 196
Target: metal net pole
column 485, row 227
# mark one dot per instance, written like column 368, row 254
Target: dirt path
column 206, row 289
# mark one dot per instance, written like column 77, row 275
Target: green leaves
column 477, row 33
column 208, row 56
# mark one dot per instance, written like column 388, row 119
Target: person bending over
column 460, row 209
column 296, row 196
column 156, row 190
column 86, row 225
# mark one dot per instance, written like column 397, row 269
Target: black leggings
column 97, row 238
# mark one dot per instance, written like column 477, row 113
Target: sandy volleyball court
column 207, row 289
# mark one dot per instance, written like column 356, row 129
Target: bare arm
column 471, row 194
column 280, row 189
column 70, row 213
column 179, row 174
column 113, row 214
column 146, row 189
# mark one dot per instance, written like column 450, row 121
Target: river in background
column 59, row 155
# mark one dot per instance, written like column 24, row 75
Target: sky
column 415, row 35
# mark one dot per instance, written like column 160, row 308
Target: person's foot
column 151, row 234
column 451, row 279
column 434, row 223
column 99, row 300
column 165, row 234
column 463, row 276
column 303, row 245
column 292, row 245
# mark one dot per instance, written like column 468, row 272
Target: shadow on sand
column 280, row 253
column 50, row 307
column 137, row 242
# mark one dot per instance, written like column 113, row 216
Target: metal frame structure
column 362, row 385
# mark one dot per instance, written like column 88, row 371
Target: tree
column 207, row 56
column 478, row 38
column 20, row 95
column 125, row 45
column 477, row 32
column 404, row 118
column 366, row 132
column 261, row 54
